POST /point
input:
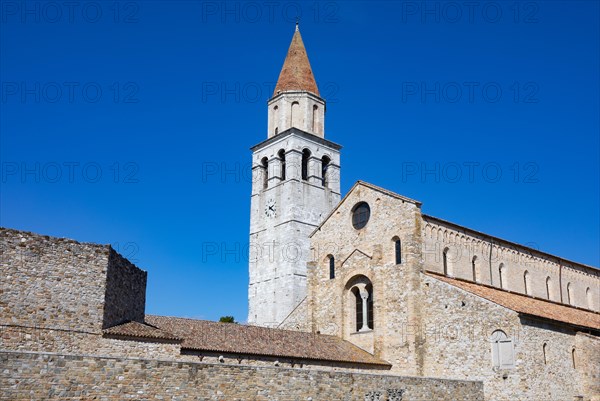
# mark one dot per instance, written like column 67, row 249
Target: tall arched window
column 502, row 273
column 445, row 260
column 544, row 349
column 548, row 284
column 276, row 119
column 475, row 268
column 589, row 298
column 569, row 294
column 502, row 350
column 265, row 173
column 305, row 158
column 397, row 250
column 281, row 155
column 573, row 361
column 295, row 115
column 526, row 282
column 361, row 299
column 331, row 267
column 324, row 167
column 315, row 119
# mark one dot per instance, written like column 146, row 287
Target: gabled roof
column 527, row 305
column 367, row 185
column 296, row 74
column 203, row 335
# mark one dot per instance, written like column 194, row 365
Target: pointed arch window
column 502, row 274
column 573, row 359
column 569, row 294
column 589, row 298
column 548, row 284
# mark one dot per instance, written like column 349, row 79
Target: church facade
column 373, row 299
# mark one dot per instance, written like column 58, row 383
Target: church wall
column 587, row 348
column 464, row 244
column 458, row 328
column 51, row 282
column 26, row 376
column 369, row 252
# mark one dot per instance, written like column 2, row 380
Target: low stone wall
column 27, row 376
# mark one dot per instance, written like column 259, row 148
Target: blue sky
column 130, row 123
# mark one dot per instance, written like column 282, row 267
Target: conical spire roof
column 296, row 73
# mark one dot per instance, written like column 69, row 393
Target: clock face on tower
column 271, row 208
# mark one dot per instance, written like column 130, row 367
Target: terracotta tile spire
column 296, row 73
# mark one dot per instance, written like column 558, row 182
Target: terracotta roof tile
column 296, row 74
column 203, row 335
column 140, row 330
column 527, row 305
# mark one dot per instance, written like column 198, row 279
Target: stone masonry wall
column 51, row 282
column 467, row 248
column 457, row 330
column 26, row 376
column 587, row 360
column 125, row 296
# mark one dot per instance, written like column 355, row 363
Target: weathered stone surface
column 26, row 376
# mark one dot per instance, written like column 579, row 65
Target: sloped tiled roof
column 527, row 305
column 140, row 330
column 203, row 335
column 296, row 74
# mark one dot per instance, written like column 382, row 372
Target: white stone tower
column 296, row 183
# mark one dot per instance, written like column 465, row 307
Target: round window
column 360, row 215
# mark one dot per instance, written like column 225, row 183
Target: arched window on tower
column 331, row 267
column 475, row 268
column 305, row 159
column 573, row 360
column 397, row 250
column 295, row 115
column 265, row 172
column 548, row 285
column 502, row 275
column 325, row 160
column 570, row 299
column 281, row 155
column 526, row 283
column 315, row 119
column 276, row 119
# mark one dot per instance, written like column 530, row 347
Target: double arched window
column 361, row 303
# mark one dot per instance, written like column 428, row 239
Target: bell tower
column 295, row 184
